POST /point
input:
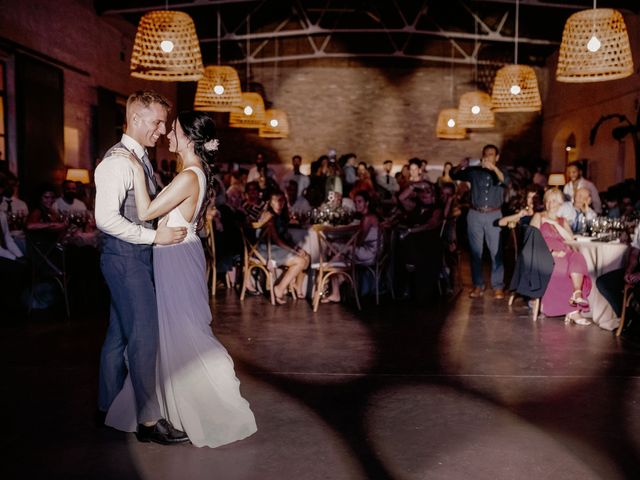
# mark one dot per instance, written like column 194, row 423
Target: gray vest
column 128, row 208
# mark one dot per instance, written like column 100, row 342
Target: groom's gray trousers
column 133, row 324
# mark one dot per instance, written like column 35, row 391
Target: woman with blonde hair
column 570, row 284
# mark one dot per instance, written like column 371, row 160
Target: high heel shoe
column 577, row 318
column 577, row 300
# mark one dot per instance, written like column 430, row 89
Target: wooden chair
column 380, row 263
column 626, row 301
column 254, row 259
column 337, row 246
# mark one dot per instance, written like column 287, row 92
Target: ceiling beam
column 173, row 6
column 316, row 30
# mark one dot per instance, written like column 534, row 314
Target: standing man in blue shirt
column 487, row 194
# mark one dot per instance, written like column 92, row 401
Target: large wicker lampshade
column 252, row 113
column 448, row 127
column 515, row 89
column 474, row 110
column 219, row 90
column 595, row 47
column 166, row 48
column 276, row 124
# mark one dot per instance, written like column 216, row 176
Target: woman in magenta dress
column 570, row 284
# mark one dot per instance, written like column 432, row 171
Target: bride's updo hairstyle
column 200, row 129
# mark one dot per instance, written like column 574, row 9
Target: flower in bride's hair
column 211, row 145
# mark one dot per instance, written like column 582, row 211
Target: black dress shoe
column 162, row 432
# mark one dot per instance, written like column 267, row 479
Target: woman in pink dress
column 570, row 284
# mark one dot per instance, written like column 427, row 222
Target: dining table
column 601, row 257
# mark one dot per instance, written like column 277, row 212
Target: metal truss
column 320, row 37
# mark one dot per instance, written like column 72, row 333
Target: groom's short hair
column 146, row 98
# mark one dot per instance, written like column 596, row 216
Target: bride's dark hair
column 200, row 129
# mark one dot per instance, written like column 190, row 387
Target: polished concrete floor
column 452, row 390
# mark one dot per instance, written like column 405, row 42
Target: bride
column 197, row 388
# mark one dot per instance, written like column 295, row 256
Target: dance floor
column 459, row 390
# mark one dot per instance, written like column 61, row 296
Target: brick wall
column 378, row 113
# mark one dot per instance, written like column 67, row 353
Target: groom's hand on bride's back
column 169, row 235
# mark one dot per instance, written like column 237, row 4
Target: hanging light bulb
column 248, row 110
column 166, row 46
column 218, row 89
column 273, row 122
column 515, row 89
column 447, row 126
column 594, row 44
column 475, row 109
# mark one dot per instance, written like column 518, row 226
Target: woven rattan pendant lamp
column 595, row 47
column 447, row 127
column 252, row 113
column 515, row 88
column 166, row 48
column 276, row 124
column 474, row 110
column 219, row 90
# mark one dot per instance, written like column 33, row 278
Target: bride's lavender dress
column 197, row 387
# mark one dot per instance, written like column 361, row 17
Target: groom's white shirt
column 113, row 178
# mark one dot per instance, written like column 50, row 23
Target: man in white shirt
column 254, row 172
column 576, row 181
column 14, row 275
column 386, row 180
column 68, row 203
column 578, row 212
column 296, row 175
column 127, row 267
column 9, row 201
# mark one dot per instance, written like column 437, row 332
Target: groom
column 127, row 267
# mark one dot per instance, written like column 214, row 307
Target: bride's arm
column 176, row 192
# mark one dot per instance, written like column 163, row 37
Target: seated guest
column 43, row 216
column 612, row 205
column 283, row 251
column 9, row 201
column 419, row 248
column 367, row 245
column 14, row 274
column 253, row 205
column 611, row 284
column 533, row 204
column 298, row 205
column 228, row 220
column 578, row 212
column 68, row 203
column 570, row 284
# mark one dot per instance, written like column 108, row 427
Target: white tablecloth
column 601, row 257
